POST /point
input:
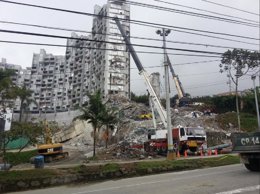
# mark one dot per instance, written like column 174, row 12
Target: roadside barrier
column 209, row 152
column 178, row 154
column 216, row 151
column 185, row 153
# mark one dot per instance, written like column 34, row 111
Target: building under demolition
column 110, row 70
column 99, row 61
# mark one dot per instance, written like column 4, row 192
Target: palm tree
column 109, row 118
column 93, row 113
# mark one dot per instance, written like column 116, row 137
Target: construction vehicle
column 248, row 147
column 145, row 116
column 49, row 150
column 153, row 97
column 189, row 139
column 183, row 100
column 159, row 139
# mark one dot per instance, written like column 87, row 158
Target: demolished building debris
column 131, row 133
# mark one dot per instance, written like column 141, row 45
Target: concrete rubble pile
column 215, row 135
column 132, row 132
column 185, row 117
column 121, row 151
column 137, row 136
column 189, row 117
column 128, row 109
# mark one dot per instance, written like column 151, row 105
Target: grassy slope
column 248, row 121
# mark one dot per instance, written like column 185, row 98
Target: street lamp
column 170, row 155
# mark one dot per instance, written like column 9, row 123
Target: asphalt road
column 220, row 180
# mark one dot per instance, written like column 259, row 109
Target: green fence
column 18, row 143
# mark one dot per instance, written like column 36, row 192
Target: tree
column 25, row 97
column 29, row 130
column 249, row 105
column 173, row 100
column 93, row 113
column 7, row 93
column 7, row 87
column 237, row 63
column 109, row 118
column 140, row 99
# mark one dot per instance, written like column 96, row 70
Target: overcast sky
column 198, row 79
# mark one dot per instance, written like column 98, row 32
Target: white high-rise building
column 110, row 67
column 99, row 61
column 78, row 60
column 48, row 81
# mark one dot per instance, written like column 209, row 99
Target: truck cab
column 189, row 138
column 247, row 145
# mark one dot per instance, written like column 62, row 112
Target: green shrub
column 15, row 158
column 6, row 176
column 248, row 121
column 110, row 167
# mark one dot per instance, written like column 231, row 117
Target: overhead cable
column 191, row 13
column 122, row 19
column 109, row 42
column 245, row 11
column 116, row 34
column 198, row 9
column 143, row 52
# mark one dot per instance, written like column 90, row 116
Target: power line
column 196, row 62
column 47, row 27
column 214, row 83
column 101, row 41
column 166, row 2
column 204, row 86
column 143, row 52
column 187, row 55
column 116, row 34
column 201, row 85
column 194, row 33
column 192, row 13
column 207, row 45
column 231, row 7
column 198, row 74
column 127, row 20
column 208, row 61
column 216, row 37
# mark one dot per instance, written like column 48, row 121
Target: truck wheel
column 254, row 165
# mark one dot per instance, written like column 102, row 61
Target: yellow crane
column 182, row 98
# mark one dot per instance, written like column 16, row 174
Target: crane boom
column 142, row 72
column 177, row 81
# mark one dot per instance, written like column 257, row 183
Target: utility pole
column 256, row 102
column 170, row 154
column 238, row 74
